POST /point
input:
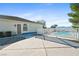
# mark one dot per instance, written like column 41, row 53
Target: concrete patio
column 38, row 47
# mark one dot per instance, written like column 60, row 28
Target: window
column 25, row 27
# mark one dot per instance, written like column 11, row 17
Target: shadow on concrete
column 4, row 42
column 71, row 43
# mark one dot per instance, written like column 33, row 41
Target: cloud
column 41, row 15
column 25, row 15
column 49, row 20
column 64, row 22
column 34, row 15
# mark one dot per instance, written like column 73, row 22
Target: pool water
column 62, row 33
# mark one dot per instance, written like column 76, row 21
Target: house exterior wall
column 10, row 25
column 32, row 27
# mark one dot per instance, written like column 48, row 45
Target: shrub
column 1, row 34
column 8, row 33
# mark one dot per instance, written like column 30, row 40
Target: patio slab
column 26, row 44
column 23, row 52
column 49, row 44
column 37, row 47
column 62, row 52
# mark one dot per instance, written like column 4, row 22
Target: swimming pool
column 62, row 33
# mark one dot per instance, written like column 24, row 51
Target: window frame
column 25, row 27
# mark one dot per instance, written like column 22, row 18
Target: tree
column 43, row 22
column 74, row 16
column 54, row 26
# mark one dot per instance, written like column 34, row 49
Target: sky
column 52, row 13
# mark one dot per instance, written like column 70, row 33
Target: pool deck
column 38, row 47
column 70, row 37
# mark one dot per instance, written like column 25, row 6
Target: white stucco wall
column 9, row 25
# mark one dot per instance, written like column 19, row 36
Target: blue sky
column 52, row 13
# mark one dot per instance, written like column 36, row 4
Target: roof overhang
column 17, row 19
